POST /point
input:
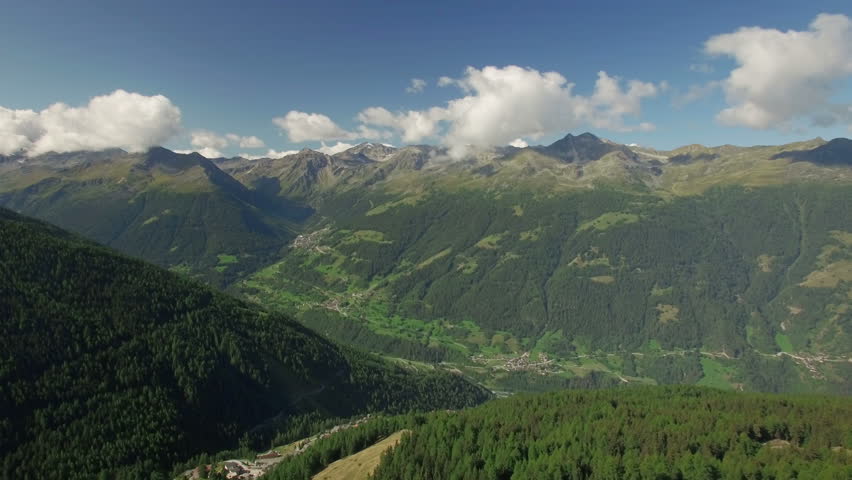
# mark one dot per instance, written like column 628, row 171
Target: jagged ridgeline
column 729, row 266
column 605, row 263
column 112, row 366
column 178, row 211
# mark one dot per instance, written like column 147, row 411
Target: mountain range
column 728, row 266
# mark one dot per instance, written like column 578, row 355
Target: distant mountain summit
column 375, row 152
column 164, row 206
column 583, row 148
column 837, row 152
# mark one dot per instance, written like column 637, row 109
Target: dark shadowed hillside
column 109, row 364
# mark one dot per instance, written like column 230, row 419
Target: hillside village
column 240, row 469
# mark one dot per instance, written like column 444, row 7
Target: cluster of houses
column 523, row 363
column 248, row 470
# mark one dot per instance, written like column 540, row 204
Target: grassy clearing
column 226, row 259
column 434, row 332
column 491, row 241
column 362, row 464
column 546, row 341
column 425, row 263
column 667, row 313
column 696, row 178
column 366, row 236
column 609, row 220
column 588, row 260
column 783, row 342
column 507, row 257
column 830, row 276
column 466, row 265
column 605, row 279
column 653, row 346
column 843, row 237
column 716, row 375
column 658, row 291
column 412, row 200
column 531, row 235
column 181, row 268
column 765, row 263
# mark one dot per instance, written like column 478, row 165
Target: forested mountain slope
column 171, row 209
column 643, row 433
column 734, row 269
column 110, row 365
column 585, row 261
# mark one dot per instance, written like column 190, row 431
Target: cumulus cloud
column 269, row 154
column 519, row 143
column 612, row 103
column 785, row 76
column 245, row 142
column 301, row 127
column 413, row 126
column 207, row 139
column 504, row 104
column 336, row 148
column 120, row 119
column 445, row 81
column 211, row 144
column 278, row 154
column 417, row 85
column 206, row 152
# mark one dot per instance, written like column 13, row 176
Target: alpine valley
column 584, row 263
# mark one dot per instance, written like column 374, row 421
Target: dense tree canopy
column 108, row 364
column 642, row 433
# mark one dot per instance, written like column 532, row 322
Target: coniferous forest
column 642, row 433
column 377, row 240
column 113, row 367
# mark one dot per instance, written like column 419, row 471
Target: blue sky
column 233, row 67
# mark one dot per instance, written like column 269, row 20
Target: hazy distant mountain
column 582, row 246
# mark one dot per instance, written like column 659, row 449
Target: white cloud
column 210, row 144
column 278, row 154
column 208, row 152
column 445, row 81
column 269, row 154
column 414, row 126
column 503, row 104
column 301, row 127
column 785, row 76
column 207, row 139
column 417, row 85
column 336, row 148
column 120, row 119
column 519, row 143
column 612, row 104
column 245, row 142
column 251, row 142
column 18, row 129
